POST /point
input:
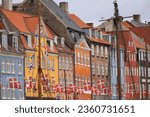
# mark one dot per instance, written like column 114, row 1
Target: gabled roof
column 142, row 32
column 61, row 15
column 78, row 21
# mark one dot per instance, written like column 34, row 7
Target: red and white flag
column 59, row 88
column 87, row 86
column 94, row 90
column 73, row 88
column 100, row 84
column 80, row 91
column 13, row 83
column 19, row 85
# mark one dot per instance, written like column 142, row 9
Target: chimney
column 64, row 6
column 7, row 4
column 56, row 39
column 137, row 18
column 90, row 24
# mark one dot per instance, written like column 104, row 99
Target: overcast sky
column 94, row 10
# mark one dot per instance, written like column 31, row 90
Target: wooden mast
column 116, row 22
column 39, row 56
column 147, row 84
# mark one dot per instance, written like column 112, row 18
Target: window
column 149, row 72
column 142, row 55
column 27, row 60
column 81, row 59
column 85, row 61
column 106, row 70
column 60, row 64
column 20, row 67
column 15, row 43
column 67, row 63
column 78, row 58
column 93, row 68
column 102, row 51
column 98, row 69
column 139, row 55
column 63, row 62
column 29, row 40
column 33, row 60
column 106, row 52
column 92, row 49
column 4, row 40
column 103, row 71
column 13, row 94
column 13, row 66
column 75, row 57
column 88, row 58
column 3, row 92
column 20, row 94
column 70, row 65
column 49, row 63
column 43, row 61
column 8, row 66
column 3, row 66
column 97, row 50
column 53, row 64
column 8, row 93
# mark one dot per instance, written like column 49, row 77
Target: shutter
column 1, row 39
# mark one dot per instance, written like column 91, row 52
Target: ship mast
column 116, row 24
column 39, row 56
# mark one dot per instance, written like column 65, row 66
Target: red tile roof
column 127, row 24
column 142, row 32
column 17, row 19
column 78, row 21
column 124, row 38
column 102, row 41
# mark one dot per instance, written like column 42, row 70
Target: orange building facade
column 82, row 69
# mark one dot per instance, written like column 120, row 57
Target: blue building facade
column 11, row 65
column 113, row 72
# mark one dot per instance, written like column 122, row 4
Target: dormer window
column 4, row 40
column 52, row 45
column 29, row 40
column 15, row 42
column 62, row 41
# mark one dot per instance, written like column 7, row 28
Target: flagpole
column 39, row 57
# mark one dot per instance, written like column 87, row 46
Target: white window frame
column 106, row 52
column 70, row 65
column 67, row 63
column 13, row 66
column 93, row 51
column 97, row 50
column 102, row 51
column 15, row 42
column 20, row 70
column 5, row 40
column 3, row 66
column 8, row 66
column 93, row 68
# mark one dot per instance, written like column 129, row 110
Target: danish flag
column 59, row 89
column 100, row 84
column 13, row 83
column 87, row 86
column 98, row 92
column 29, row 83
column 94, row 90
column 19, row 85
column 73, row 87
column 80, row 91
